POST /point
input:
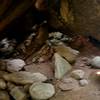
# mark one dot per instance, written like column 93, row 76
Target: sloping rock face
column 81, row 16
column 86, row 17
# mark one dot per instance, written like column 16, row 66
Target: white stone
column 15, row 65
column 83, row 82
column 56, row 35
column 41, row 91
column 78, row 74
column 61, row 66
column 95, row 62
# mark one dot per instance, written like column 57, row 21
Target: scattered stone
column 68, row 53
column 83, row 82
column 78, row 74
column 24, row 77
column 61, row 66
column 15, row 65
column 68, row 84
column 95, row 62
column 43, row 68
column 2, row 84
column 56, row 35
column 41, row 91
column 18, row 94
column 4, row 95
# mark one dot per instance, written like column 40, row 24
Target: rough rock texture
column 78, row 74
column 24, row 77
column 15, row 65
column 41, row 91
column 86, row 17
column 61, row 66
column 68, row 53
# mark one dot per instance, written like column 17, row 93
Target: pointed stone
column 61, row 66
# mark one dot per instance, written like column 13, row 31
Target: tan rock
column 24, row 77
column 2, row 84
column 4, row 95
column 18, row 94
column 68, row 53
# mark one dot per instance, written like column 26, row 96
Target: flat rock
column 68, row 84
column 95, row 62
column 24, row 77
column 41, row 91
column 68, row 53
column 78, row 74
column 61, row 66
column 15, row 65
column 43, row 68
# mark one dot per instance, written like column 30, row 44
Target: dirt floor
column 92, row 90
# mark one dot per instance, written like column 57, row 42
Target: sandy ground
column 92, row 90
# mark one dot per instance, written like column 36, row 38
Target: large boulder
column 82, row 16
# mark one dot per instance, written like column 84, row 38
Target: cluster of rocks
column 40, row 81
column 57, row 37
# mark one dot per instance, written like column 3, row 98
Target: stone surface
column 24, row 77
column 78, row 74
column 61, row 66
column 43, row 68
column 17, row 94
column 56, row 35
column 95, row 62
column 83, row 82
column 41, row 91
column 68, row 84
column 15, row 65
column 2, row 84
column 68, row 53
column 86, row 17
column 4, row 95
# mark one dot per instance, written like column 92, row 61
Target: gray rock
column 4, row 95
column 41, row 91
column 78, row 74
column 15, row 65
column 68, row 84
column 24, row 77
column 83, row 82
column 95, row 62
column 2, row 84
column 18, row 94
column 61, row 66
